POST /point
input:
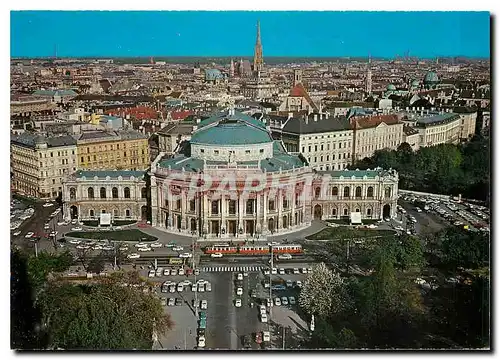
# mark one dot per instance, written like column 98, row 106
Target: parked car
column 144, row 249
column 208, row 286
column 266, row 336
column 185, row 255
column 239, row 276
column 77, row 228
column 216, row 255
column 151, row 273
column 282, row 271
column 284, row 256
column 239, row 291
column 29, row 235
column 173, row 272
column 204, row 304
column 201, row 341
column 17, row 233
column 171, row 302
column 201, row 287
column 156, row 245
column 277, row 301
column 284, row 300
column 180, row 287
column 181, row 271
column 133, row 256
column 177, row 248
column 258, row 337
column 263, row 318
column 262, row 309
column 296, row 270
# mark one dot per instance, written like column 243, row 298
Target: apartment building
column 112, row 150
column 39, row 163
column 372, row 133
column 325, row 142
column 435, row 127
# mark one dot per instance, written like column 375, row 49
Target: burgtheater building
column 233, row 180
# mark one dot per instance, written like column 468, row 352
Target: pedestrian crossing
column 232, row 269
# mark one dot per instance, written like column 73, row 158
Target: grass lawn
column 119, row 235
column 340, row 233
column 115, row 223
column 348, row 222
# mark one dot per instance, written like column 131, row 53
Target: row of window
column 111, row 147
column 327, row 157
column 59, row 153
column 216, row 152
column 322, row 147
column 103, row 193
column 357, row 192
column 115, row 213
column 327, row 136
column 250, row 205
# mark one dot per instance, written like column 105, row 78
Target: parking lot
column 230, row 325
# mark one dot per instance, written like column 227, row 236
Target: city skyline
column 232, row 33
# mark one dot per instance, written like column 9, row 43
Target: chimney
column 315, row 117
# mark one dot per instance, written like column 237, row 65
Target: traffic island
column 117, row 235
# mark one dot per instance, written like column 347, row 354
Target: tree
column 409, row 252
column 322, row 293
column 43, row 264
column 105, row 314
column 464, row 248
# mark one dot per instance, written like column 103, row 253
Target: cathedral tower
column 258, row 60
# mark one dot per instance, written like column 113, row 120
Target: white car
column 204, row 304
column 274, row 271
column 97, row 247
column 208, row 287
column 123, row 248
column 83, row 247
column 77, row 228
column 239, row 276
column 17, row 233
column 284, row 256
column 262, row 309
column 53, row 233
column 266, row 336
column 239, row 291
column 185, row 255
column 201, row 287
column 282, row 271
column 166, row 272
column 74, row 241
column 237, row 303
column 292, row 300
column 159, row 271
column 143, row 249
column 284, row 300
column 151, row 273
column 29, row 235
column 173, row 272
column 181, row 271
column 177, row 248
column 139, row 245
column 277, row 301
column 133, row 256
column 263, row 318
column 267, row 271
column 61, row 223
column 216, row 255
column 156, row 245
column 194, row 287
column 46, row 227
column 180, row 287
column 201, row 341
column 48, row 205
column 296, row 270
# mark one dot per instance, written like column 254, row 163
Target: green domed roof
column 231, row 132
column 431, row 77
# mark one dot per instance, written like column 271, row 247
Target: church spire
column 258, row 60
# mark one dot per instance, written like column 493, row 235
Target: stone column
column 240, row 213
column 258, row 218
column 204, row 209
column 170, row 223
column 279, row 223
column 223, row 209
column 292, row 220
column 264, row 216
column 183, row 209
column 154, row 202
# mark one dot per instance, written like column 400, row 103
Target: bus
column 176, row 261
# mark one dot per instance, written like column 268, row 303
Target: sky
column 226, row 33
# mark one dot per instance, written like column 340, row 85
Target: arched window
column 103, row 193
column 127, row 213
column 317, row 192
column 358, row 192
column 368, row 212
column 115, row 213
column 335, row 191
column 114, row 193
column 143, row 193
column 91, row 213
column 334, row 211
column 347, row 192
column 357, row 210
column 369, row 192
column 72, row 193
column 387, row 192
column 90, row 193
column 346, row 212
column 126, row 193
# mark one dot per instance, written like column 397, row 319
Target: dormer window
column 216, row 152
column 202, row 150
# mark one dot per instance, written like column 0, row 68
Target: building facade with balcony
column 233, row 180
column 123, row 194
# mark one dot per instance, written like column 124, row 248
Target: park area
column 118, row 235
column 347, row 233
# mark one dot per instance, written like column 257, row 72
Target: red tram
column 253, row 249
